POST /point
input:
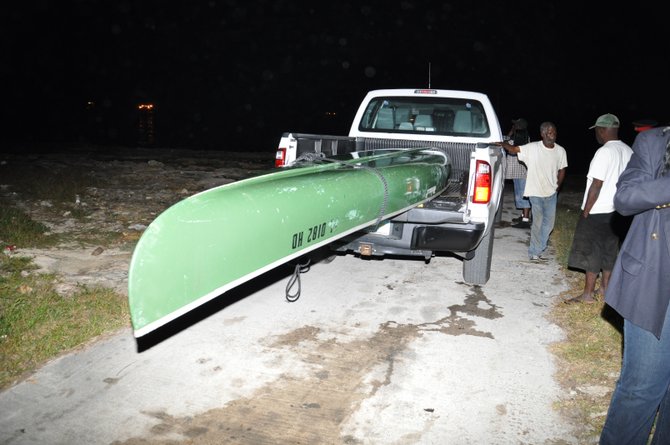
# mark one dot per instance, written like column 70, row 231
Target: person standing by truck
column 597, row 235
column 546, row 162
column 516, row 171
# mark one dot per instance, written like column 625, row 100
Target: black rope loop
column 295, row 279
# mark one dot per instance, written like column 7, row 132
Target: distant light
column 331, row 113
column 145, row 106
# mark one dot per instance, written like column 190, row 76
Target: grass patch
column 18, row 228
column 53, row 186
column 589, row 359
column 54, row 190
column 37, row 324
column 567, row 215
column 56, row 183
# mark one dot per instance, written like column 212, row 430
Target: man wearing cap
column 546, row 162
column 516, row 171
column 600, row 229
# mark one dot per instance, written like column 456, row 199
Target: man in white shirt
column 600, row 229
column 546, row 162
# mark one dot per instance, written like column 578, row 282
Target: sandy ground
column 399, row 352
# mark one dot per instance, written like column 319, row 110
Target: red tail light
column 482, row 193
column 280, row 157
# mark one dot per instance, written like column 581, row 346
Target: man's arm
column 638, row 189
column 591, row 196
column 509, row 148
column 559, row 179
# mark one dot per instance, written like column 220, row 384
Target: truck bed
column 454, row 197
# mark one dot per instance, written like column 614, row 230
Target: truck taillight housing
column 482, row 193
column 280, row 157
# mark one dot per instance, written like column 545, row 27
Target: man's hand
column 509, row 148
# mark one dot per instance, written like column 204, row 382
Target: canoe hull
column 218, row 239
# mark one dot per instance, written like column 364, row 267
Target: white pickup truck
column 461, row 220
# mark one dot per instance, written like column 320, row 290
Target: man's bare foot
column 583, row 298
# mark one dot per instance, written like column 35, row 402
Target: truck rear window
column 421, row 115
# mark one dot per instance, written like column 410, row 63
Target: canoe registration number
column 310, row 235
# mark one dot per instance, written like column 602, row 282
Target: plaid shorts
column 515, row 169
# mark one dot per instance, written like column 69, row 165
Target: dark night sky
column 234, row 74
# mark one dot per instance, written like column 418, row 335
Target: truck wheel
column 477, row 270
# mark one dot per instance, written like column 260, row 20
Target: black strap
column 295, row 278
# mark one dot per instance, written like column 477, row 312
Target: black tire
column 477, row 270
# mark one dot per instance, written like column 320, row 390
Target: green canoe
column 220, row 238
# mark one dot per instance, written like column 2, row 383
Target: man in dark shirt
column 639, row 290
